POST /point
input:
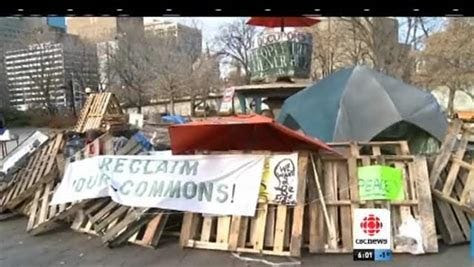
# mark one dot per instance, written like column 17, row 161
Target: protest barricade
column 41, row 167
column 452, row 184
column 275, row 229
column 115, row 223
column 331, row 214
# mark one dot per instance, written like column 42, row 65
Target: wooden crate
column 274, row 230
column 98, row 109
column 452, row 183
column 42, row 167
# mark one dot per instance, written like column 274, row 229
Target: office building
column 51, row 74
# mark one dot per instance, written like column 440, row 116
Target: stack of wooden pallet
column 114, row 223
column 330, row 212
column 101, row 111
column 452, row 183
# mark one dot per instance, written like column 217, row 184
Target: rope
column 264, row 261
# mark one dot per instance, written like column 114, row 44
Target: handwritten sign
column 380, row 182
column 280, row 55
column 214, row 184
column 227, row 99
column 279, row 179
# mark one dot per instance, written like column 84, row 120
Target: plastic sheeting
column 359, row 103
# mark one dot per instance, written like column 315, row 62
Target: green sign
column 379, row 182
column 281, row 56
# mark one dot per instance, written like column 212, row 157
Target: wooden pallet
column 99, row 108
column 371, row 148
column 43, row 216
column 274, row 230
column 452, row 183
column 330, row 217
column 42, row 167
column 117, row 224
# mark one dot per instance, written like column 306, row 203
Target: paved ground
column 63, row 247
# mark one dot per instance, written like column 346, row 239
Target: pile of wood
column 452, row 182
column 101, row 111
column 320, row 221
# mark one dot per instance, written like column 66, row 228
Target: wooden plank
column 234, row 234
column 223, row 229
column 430, row 240
column 345, row 212
column 244, row 224
column 298, row 212
column 186, row 229
column 454, row 170
column 447, row 223
column 260, row 226
column 111, row 217
column 445, row 151
column 405, row 212
column 206, row 228
column 278, row 244
column 270, row 226
column 44, row 203
column 103, row 211
column 33, row 211
column 468, row 190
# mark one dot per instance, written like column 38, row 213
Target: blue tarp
column 177, row 119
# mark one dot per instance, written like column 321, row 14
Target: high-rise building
column 12, row 33
column 103, row 29
column 188, row 39
column 51, row 74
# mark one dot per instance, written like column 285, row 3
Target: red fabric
column 282, row 21
column 245, row 132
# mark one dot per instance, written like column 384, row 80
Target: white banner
column 214, row 184
column 280, row 179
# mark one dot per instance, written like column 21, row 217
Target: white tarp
column 26, row 147
column 213, row 184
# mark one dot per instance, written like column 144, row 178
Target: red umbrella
column 282, row 22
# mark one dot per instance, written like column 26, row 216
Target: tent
column 244, row 132
column 358, row 104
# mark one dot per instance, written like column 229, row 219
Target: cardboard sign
column 380, row 182
column 279, row 54
column 215, row 184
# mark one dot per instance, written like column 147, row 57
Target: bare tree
column 447, row 60
column 235, row 41
column 204, row 80
column 375, row 42
column 172, row 67
column 133, row 66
